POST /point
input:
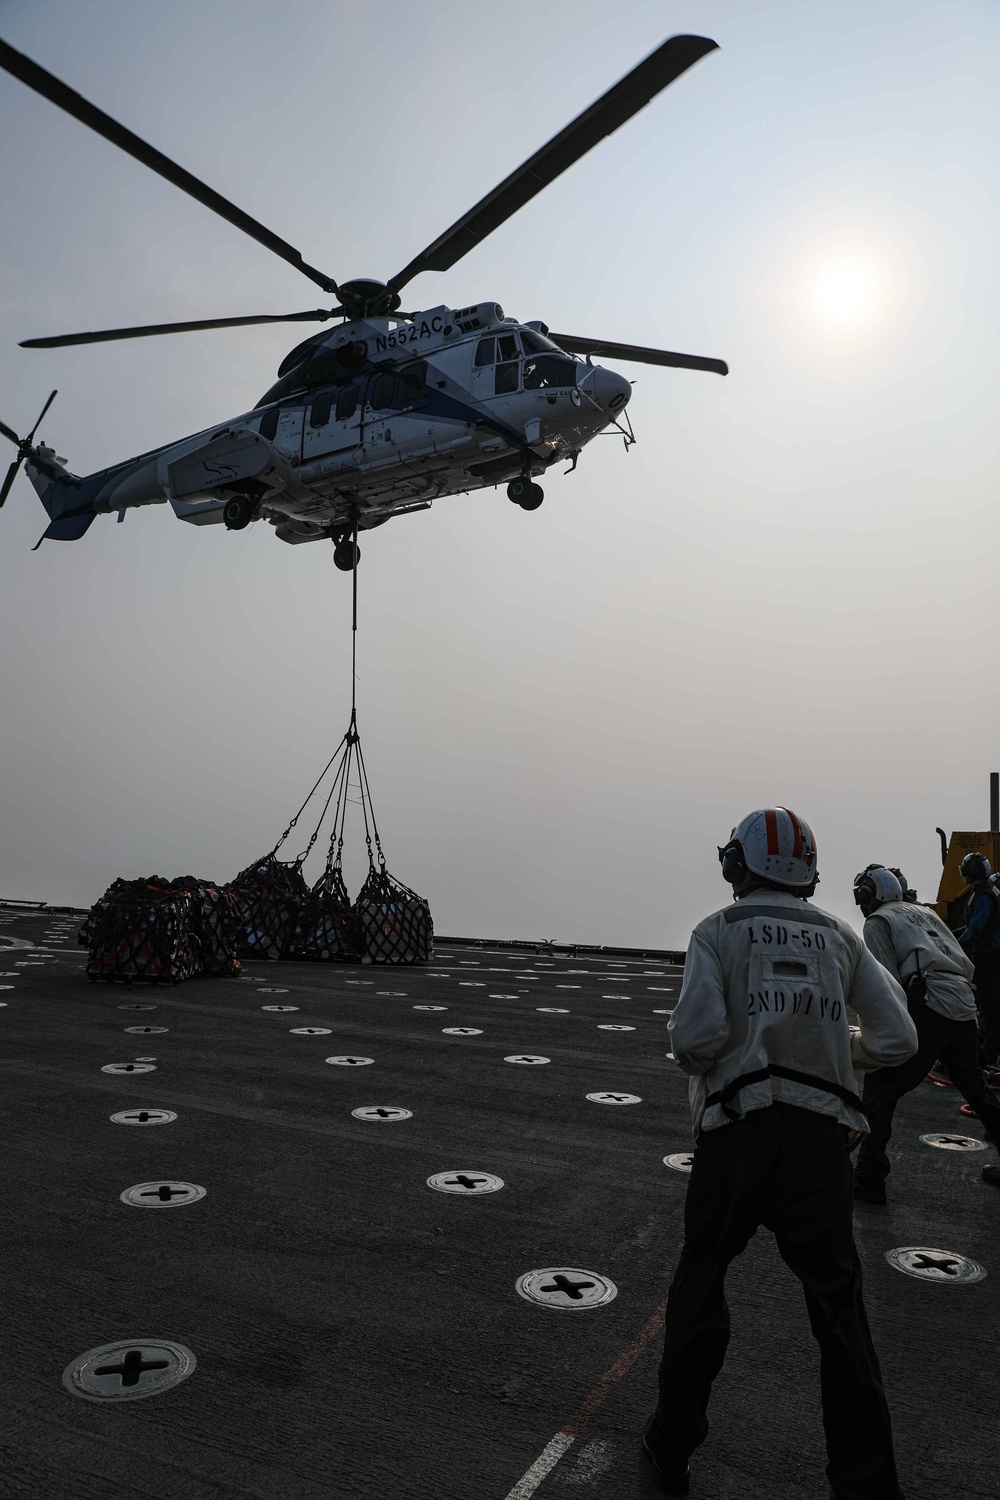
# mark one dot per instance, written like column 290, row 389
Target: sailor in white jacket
column 922, row 952
column 761, row 1026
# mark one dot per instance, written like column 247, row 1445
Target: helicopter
column 388, row 411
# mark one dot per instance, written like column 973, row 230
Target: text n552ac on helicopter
column 389, row 410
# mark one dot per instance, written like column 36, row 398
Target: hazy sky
column 784, row 593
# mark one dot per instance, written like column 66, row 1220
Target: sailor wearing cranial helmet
column 916, row 947
column 761, row 1027
column 981, row 940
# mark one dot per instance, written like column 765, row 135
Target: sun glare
column 844, row 293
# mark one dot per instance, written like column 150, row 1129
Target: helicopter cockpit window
column 537, row 343
column 380, row 391
column 347, row 403
column 493, row 350
column 269, row 424
column 548, row 370
column 319, row 413
column 410, row 384
column 507, row 377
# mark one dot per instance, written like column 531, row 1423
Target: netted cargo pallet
column 140, row 932
column 85, row 933
column 268, row 896
column 216, row 923
column 395, row 921
column 327, row 927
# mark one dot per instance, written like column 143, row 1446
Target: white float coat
column 767, row 983
column 908, row 939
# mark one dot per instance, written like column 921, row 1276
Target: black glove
column 916, row 990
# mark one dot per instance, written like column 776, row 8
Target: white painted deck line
column 559, row 1446
column 544, row 1464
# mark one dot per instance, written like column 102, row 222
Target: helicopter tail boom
column 67, row 502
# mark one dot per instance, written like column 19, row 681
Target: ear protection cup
column 734, row 866
column 874, row 887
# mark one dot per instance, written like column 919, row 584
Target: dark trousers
column 956, row 1043
column 788, row 1169
column 987, row 982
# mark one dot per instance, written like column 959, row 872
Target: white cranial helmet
column 779, row 846
column 874, row 887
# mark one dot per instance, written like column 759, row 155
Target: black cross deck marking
column 946, row 1263
column 132, row 1367
column 572, row 1289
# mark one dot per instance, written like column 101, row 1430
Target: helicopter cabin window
column 485, row 352
column 410, row 384
column 347, row 403
column 548, row 370
column 380, row 391
column 269, row 424
column 319, row 412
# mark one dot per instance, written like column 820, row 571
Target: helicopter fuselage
column 374, row 420
column 391, row 409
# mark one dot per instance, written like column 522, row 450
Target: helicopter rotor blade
column 619, row 104
column 12, row 436
column 574, row 345
column 31, row 435
column 61, row 94
column 11, row 476
column 60, row 341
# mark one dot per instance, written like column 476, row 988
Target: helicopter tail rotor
column 25, row 449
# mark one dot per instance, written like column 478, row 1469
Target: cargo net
column 327, row 928
column 216, row 923
column 388, row 923
column 396, row 922
column 158, row 931
column 268, row 896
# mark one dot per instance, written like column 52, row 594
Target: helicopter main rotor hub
column 362, row 298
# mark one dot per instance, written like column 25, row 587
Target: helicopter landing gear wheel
column 237, row 512
column 519, row 488
column 346, row 554
column 533, row 498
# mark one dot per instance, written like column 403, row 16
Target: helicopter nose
column 610, row 390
